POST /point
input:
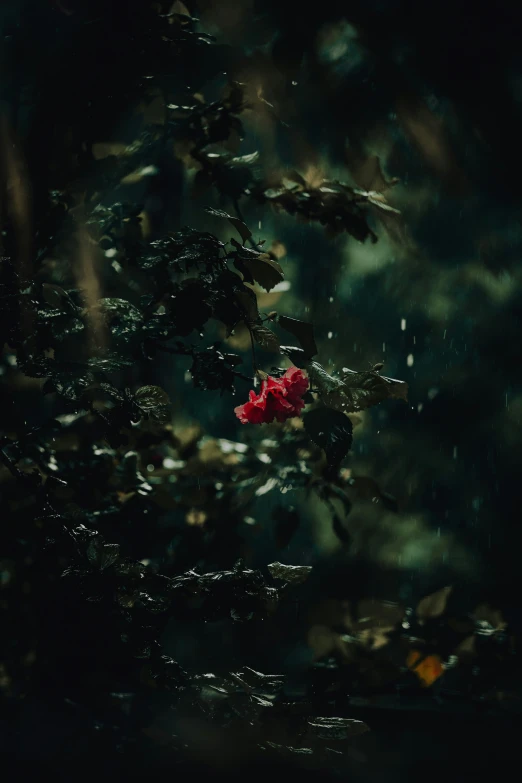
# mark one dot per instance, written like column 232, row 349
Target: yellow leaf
column 427, row 668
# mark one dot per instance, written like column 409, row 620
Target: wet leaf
column 212, row 369
column 247, row 301
column 355, row 391
column 303, row 331
column 57, row 298
column 153, row 401
column 265, row 337
column 330, row 430
column 149, row 397
column 108, row 363
column 243, row 230
column 102, row 555
column 122, row 317
column 336, row 728
column 261, row 268
column 70, row 385
column 292, row 574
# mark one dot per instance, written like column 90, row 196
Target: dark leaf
column 330, row 430
column 243, row 231
column 292, row 574
column 336, row 728
column 264, row 337
column 148, row 398
column 70, row 385
column 129, row 474
column 361, row 390
column 296, row 355
column 122, row 317
column 320, row 378
column 245, row 160
column 247, row 301
column 355, row 391
column 108, row 363
column 261, row 268
column 212, row 369
column 288, row 750
column 303, row 331
column 102, row 555
column 57, row 298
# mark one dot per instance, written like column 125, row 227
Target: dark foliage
column 118, row 525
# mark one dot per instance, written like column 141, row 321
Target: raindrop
column 410, row 360
column 403, row 324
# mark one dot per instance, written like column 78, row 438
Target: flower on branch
column 279, row 399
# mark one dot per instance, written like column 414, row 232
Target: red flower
column 279, row 398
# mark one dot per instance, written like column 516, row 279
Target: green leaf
column 291, row 574
column 296, row 355
column 247, row 301
column 57, row 298
column 320, row 378
column 102, row 555
column 264, row 337
column 243, row 230
column 149, row 397
column 361, row 390
column 331, row 431
column 336, row 728
column 303, row 331
column 263, row 269
column 355, row 391
column 245, row 160
column 70, row 385
column 154, row 401
column 108, row 363
column 122, row 317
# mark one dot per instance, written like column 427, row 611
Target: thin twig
column 254, row 363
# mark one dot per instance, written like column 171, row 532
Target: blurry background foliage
column 413, row 262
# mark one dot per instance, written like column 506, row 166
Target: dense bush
column 124, row 523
